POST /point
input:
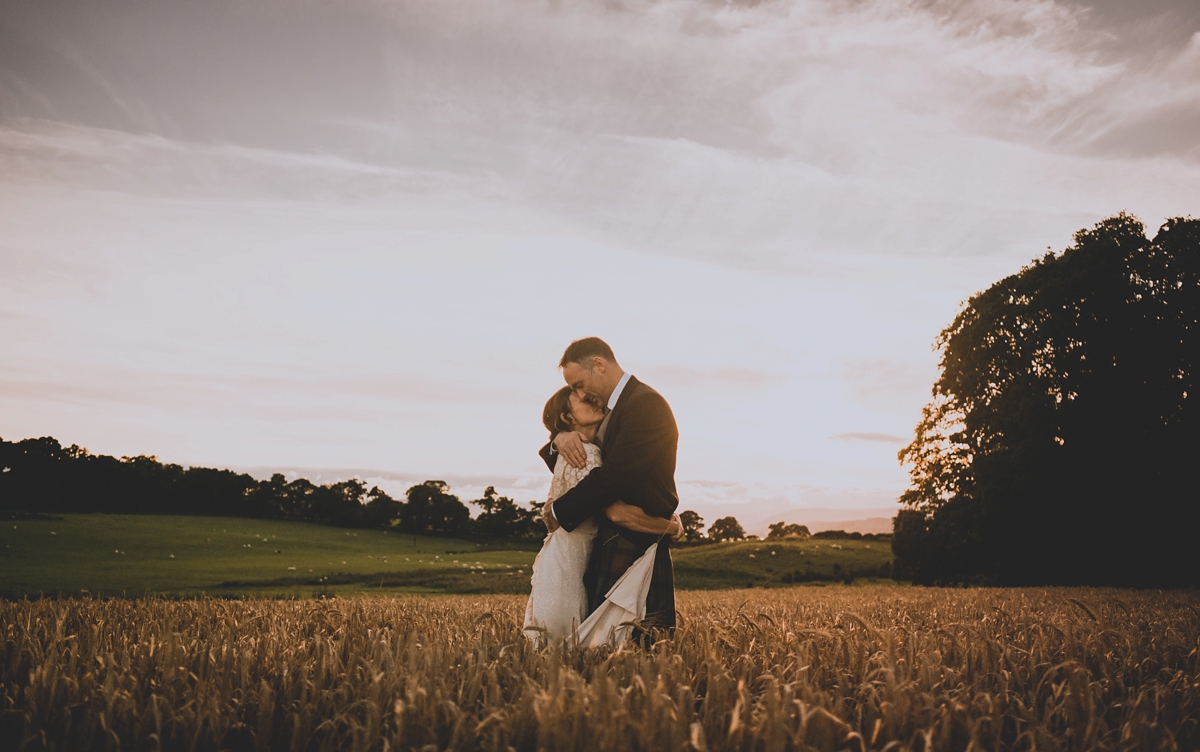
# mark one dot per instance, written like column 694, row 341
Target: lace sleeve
column 567, row 476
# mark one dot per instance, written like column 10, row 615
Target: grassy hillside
column 132, row 554
column 779, row 564
column 137, row 554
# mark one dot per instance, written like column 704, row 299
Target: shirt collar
column 616, row 395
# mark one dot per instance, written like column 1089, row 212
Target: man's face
column 589, row 385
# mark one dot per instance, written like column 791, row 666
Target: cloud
column 47, row 152
column 467, row 486
column 764, row 134
column 883, row 438
column 683, row 377
column 294, row 395
column 358, row 233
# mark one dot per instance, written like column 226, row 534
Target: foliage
column 380, row 509
column 431, row 508
column 693, row 526
column 42, row 476
column 502, row 518
column 726, row 529
column 1062, row 432
column 911, row 544
column 783, row 530
column 821, row 669
column 843, row 535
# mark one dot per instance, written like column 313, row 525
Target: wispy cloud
column 749, row 134
column 359, row 233
column 883, row 438
column 49, row 152
column 683, row 377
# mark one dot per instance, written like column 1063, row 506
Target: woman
column 557, row 605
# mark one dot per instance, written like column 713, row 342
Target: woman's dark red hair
column 556, row 416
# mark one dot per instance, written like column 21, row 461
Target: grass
column 834, row 668
column 130, row 555
column 134, row 554
column 779, row 563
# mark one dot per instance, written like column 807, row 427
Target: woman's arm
column 636, row 519
column 648, row 435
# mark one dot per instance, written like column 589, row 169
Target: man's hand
column 676, row 530
column 548, row 519
column 570, row 445
column 636, row 519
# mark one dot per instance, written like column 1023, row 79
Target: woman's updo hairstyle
column 556, row 414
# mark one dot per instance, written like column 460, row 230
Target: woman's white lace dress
column 558, row 603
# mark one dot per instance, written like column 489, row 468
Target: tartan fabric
column 614, row 551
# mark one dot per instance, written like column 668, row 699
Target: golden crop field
column 838, row 668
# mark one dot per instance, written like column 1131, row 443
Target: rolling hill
column 128, row 555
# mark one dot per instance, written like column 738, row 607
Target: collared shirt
column 616, row 395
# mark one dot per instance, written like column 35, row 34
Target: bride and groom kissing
column 604, row 573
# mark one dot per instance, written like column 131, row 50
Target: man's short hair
column 582, row 351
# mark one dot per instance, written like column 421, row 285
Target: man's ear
column 599, row 365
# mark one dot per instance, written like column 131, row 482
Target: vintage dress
column 558, row 602
column 557, row 608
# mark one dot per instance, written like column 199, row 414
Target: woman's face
column 584, row 413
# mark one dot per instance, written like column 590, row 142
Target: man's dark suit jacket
column 638, row 453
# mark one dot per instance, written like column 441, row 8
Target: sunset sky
column 358, row 235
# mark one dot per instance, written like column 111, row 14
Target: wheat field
column 838, row 668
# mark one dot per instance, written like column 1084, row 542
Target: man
column 638, row 441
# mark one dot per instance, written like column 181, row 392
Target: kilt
column 615, row 550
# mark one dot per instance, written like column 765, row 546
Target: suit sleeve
column 548, row 455
column 647, row 432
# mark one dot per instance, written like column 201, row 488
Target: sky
column 354, row 237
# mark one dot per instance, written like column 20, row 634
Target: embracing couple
column 604, row 573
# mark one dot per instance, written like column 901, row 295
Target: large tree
column 693, row 526
column 1061, row 440
column 502, row 517
column 783, row 530
column 381, row 510
column 726, row 529
column 431, row 508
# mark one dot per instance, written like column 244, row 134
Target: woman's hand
column 548, row 518
column 570, row 445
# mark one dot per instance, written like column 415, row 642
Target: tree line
column 42, row 476
column 729, row 529
column 1061, row 443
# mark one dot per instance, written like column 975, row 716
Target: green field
column 134, row 554
column 782, row 563
column 110, row 555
